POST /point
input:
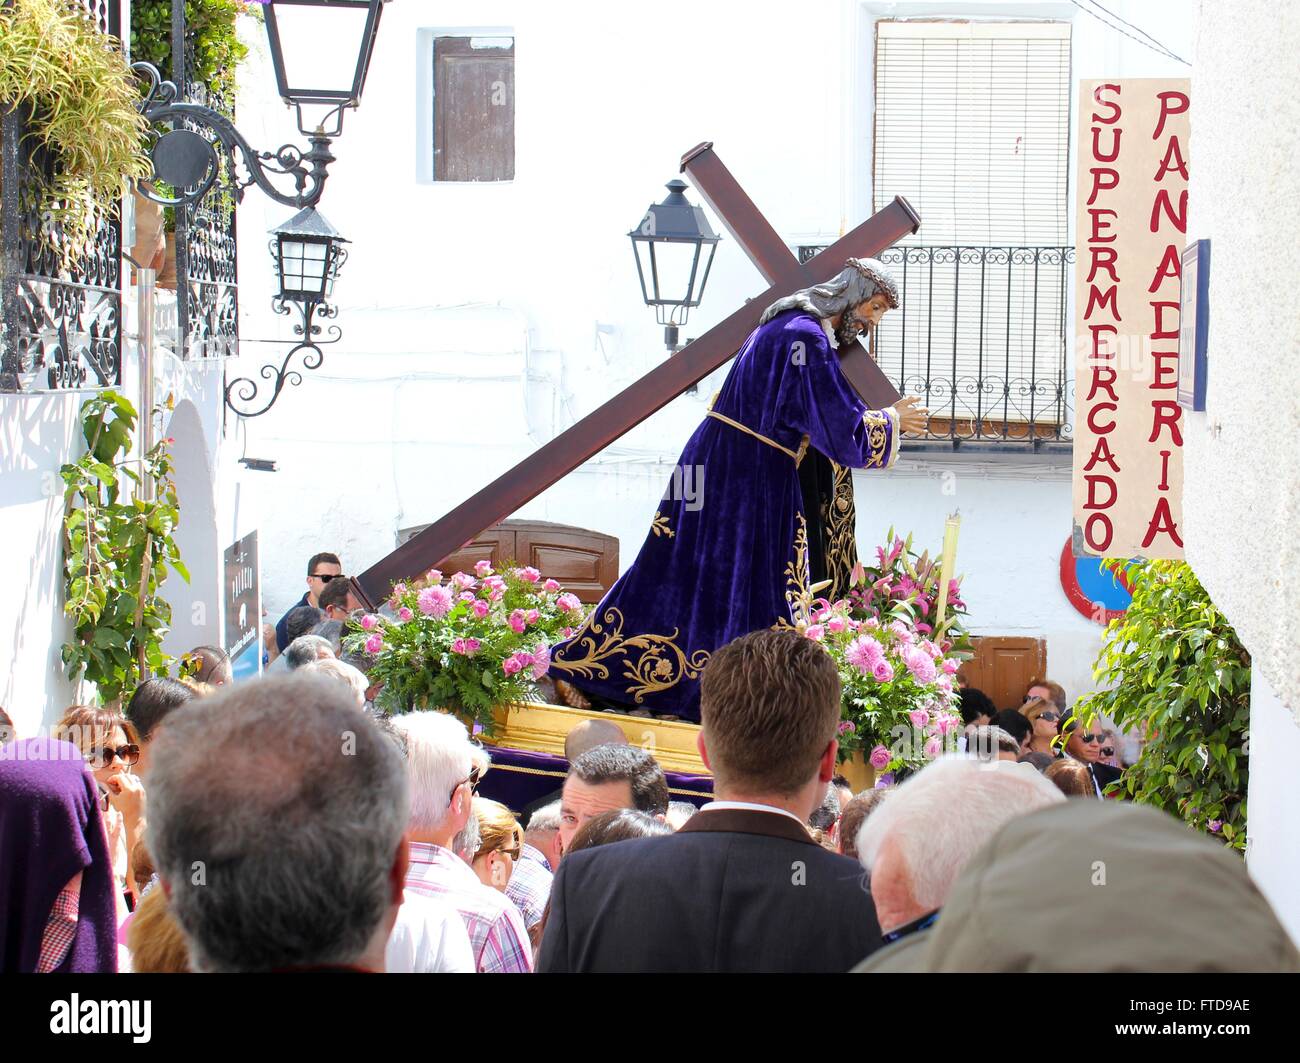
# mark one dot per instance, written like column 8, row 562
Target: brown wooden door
column 584, row 561
column 474, row 110
column 1003, row 667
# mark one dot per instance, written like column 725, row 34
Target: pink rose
column 529, row 574
column 369, row 622
column 511, row 665
column 374, row 644
column 482, row 568
column 532, row 616
column 551, row 585
column 933, row 747
column 399, row 589
column 541, row 660
column 463, row 581
column 568, row 602
column 466, row 647
column 950, row 666
column 880, row 758
column 481, row 608
column 517, row 623
column 466, row 596
column 847, row 727
column 882, row 671
column 434, row 576
column 919, row 717
column 404, row 613
column 815, row 632
column 524, row 658
column 457, row 645
column 836, row 624
column 435, row 601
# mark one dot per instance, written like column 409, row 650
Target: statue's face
column 860, row 318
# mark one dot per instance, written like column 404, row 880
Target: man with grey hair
column 305, row 649
column 915, row 845
column 444, row 768
column 530, row 882
column 759, row 510
column 296, row 860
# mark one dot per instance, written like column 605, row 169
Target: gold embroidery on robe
column 798, row 595
column 877, row 423
column 660, row 526
column 661, row 663
column 841, row 540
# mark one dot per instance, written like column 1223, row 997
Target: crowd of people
column 280, row 824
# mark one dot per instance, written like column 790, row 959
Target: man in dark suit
column 742, row 886
column 1084, row 744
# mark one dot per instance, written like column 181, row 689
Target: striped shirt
column 530, row 884
column 497, row 935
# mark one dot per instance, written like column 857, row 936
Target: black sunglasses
column 102, row 756
column 323, row 578
column 473, row 784
column 1050, row 717
column 1107, row 751
column 1091, row 738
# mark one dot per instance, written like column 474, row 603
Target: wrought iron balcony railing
column 982, row 337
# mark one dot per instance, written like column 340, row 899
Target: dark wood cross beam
column 608, row 422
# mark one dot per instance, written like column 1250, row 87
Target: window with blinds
column 972, row 126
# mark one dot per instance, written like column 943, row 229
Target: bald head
column 592, row 733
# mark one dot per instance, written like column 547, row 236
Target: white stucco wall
column 1242, row 490
column 1272, row 829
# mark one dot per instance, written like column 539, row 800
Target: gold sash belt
column 749, row 431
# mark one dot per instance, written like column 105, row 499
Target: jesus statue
column 729, row 549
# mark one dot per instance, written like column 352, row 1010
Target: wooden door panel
column 1003, row 667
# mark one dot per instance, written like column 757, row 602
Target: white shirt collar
column 749, row 806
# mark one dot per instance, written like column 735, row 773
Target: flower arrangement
column 897, row 664
column 468, row 643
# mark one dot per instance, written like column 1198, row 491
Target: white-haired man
column 530, row 883
column 916, row 844
column 444, row 769
column 728, row 554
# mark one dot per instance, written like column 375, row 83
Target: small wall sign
column 1193, row 325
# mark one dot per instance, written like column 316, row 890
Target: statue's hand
column 911, row 417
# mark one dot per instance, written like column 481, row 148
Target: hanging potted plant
column 78, row 100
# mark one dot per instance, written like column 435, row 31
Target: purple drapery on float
column 728, row 549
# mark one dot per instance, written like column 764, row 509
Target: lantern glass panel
column 321, row 45
column 303, row 267
column 674, row 266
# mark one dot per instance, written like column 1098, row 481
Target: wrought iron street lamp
column 321, row 51
column 674, row 247
column 308, row 253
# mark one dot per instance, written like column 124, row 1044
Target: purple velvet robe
column 727, row 551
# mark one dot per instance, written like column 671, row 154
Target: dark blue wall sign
column 1194, row 325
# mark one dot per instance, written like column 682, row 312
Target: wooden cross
column 577, row 444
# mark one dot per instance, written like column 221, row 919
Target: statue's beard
column 850, row 327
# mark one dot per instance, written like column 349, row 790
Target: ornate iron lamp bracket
column 244, row 390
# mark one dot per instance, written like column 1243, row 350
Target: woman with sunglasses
column 111, row 748
column 501, row 840
column 1043, row 717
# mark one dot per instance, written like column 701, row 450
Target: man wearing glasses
column 1084, row 744
column 321, row 569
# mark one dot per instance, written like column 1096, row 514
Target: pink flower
column 567, row 633
column 369, row 622
column 901, row 630
column 882, row 671
column 815, row 632
column 954, row 589
column 864, row 653
column 532, row 616
column 1215, row 825
column 944, row 683
column 435, row 600
column 398, row 589
column 374, row 644
column 482, row 568
column 551, row 585
column 463, row 581
column 541, row 660
column 859, row 574
column 481, row 608
column 919, row 717
column 847, row 727
column 434, row 576
column 923, row 629
column 924, row 605
column 948, row 723
column 529, row 574
column 404, row 613
column 466, row 596
column 871, row 623
column 920, row 664
column 568, row 602
column 836, row 624
column 880, row 758
column 517, row 623
column 465, row 647
column 950, row 666
column 933, row 747
column 511, row 665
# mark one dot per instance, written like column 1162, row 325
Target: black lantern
column 321, row 50
column 308, row 255
column 674, row 246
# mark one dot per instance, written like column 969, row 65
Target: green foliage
column 210, row 27
column 81, row 103
column 117, row 547
column 1178, row 674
